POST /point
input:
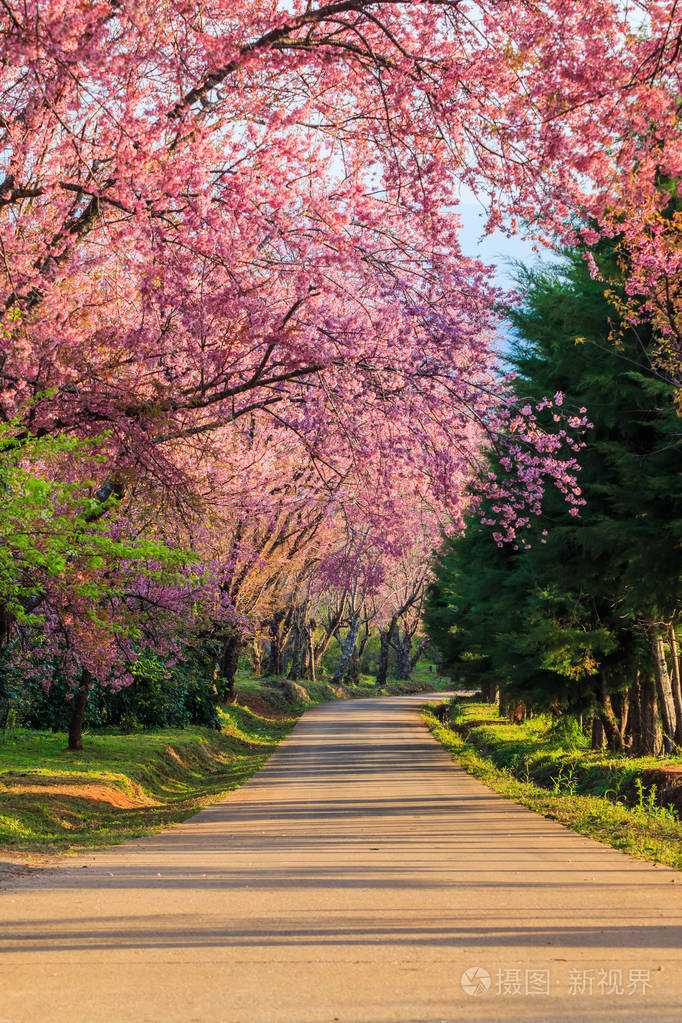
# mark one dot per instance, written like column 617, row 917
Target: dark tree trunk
column 597, row 733
column 634, row 724
column 299, row 650
column 506, row 706
column 227, row 668
column 356, row 657
column 274, row 666
column 311, row 652
column 5, row 696
column 491, row 692
column 403, row 650
column 608, row 719
column 421, row 647
column 676, row 680
column 308, row 653
column 362, row 642
column 79, row 704
column 287, row 641
column 347, row 648
column 385, row 641
column 353, row 672
column 5, row 626
column 652, row 739
column 5, row 705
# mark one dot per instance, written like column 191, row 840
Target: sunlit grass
column 505, row 757
column 55, row 800
column 122, row 786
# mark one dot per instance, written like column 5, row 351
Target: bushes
column 159, row 697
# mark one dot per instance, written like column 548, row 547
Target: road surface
column 359, row 877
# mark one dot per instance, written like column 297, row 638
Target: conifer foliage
column 581, row 614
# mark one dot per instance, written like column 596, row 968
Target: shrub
column 160, row 696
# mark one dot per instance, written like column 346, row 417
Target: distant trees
column 580, row 613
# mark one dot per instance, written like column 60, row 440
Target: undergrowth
column 595, row 794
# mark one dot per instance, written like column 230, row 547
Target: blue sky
column 496, row 249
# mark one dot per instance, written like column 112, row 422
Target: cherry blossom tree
column 211, row 213
column 220, row 214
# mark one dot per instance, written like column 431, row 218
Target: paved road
column 354, row 879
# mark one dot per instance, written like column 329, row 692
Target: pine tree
column 583, row 621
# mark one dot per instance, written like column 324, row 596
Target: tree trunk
column 624, row 713
column 491, row 692
column 608, row 719
column 274, row 666
column 227, row 668
column 347, row 648
column 354, row 667
column 403, row 650
column 5, row 697
column 652, row 740
column 421, row 647
column 5, row 626
column 633, row 734
column 330, row 631
column 80, row 700
column 256, row 656
column 299, row 649
column 675, row 679
column 597, row 733
column 5, row 706
column 663, row 688
column 362, row 644
column 385, row 640
column 311, row 641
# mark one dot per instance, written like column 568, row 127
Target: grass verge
column 281, row 696
column 123, row 786
column 645, row 830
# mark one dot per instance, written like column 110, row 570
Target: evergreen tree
column 583, row 620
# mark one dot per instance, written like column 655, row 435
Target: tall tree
column 579, row 613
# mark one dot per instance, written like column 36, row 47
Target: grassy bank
column 273, row 695
column 122, row 786
column 602, row 796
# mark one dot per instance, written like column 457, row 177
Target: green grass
column 539, row 751
column 429, row 681
column 595, row 794
column 52, row 800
